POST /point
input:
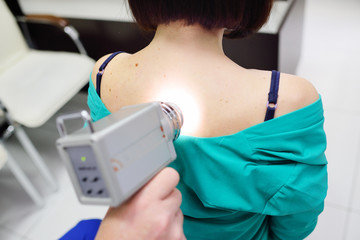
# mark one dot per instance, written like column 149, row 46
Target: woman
column 241, row 177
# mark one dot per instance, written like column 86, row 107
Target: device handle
column 82, row 114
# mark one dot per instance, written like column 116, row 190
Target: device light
column 188, row 104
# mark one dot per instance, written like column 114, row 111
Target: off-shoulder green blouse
column 268, row 181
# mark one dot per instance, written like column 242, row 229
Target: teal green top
column 268, row 181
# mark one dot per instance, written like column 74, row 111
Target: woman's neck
column 188, row 38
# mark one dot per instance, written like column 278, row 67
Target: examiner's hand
column 152, row 214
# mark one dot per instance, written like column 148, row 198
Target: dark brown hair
column 239, row 17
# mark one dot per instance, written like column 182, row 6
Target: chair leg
column 35, row 156
column 24, row 181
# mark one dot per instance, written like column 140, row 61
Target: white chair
column 35, row 84
column 5, row 157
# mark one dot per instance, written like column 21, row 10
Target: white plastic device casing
column 119, row 154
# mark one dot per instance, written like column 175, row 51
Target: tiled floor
column 330, row 59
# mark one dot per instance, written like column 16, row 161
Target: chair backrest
column 3, row 156
column 12, row 42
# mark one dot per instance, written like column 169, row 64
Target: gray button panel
column 87, row 171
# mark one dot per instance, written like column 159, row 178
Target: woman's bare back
column 217, row 96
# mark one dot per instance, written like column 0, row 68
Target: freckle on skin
column 136, row 64
column 109, row 89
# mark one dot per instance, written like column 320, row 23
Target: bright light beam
column 188, row 104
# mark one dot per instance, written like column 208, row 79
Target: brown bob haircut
column 239, row 17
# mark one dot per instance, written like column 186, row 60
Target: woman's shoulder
column 119, row 59
column 295, row 93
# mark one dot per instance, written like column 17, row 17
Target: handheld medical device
column 109, row 160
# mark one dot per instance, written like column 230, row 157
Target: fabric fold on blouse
column 98, row 109
column 275, row 168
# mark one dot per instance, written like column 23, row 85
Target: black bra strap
column 101, row 71
column 273, row 95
